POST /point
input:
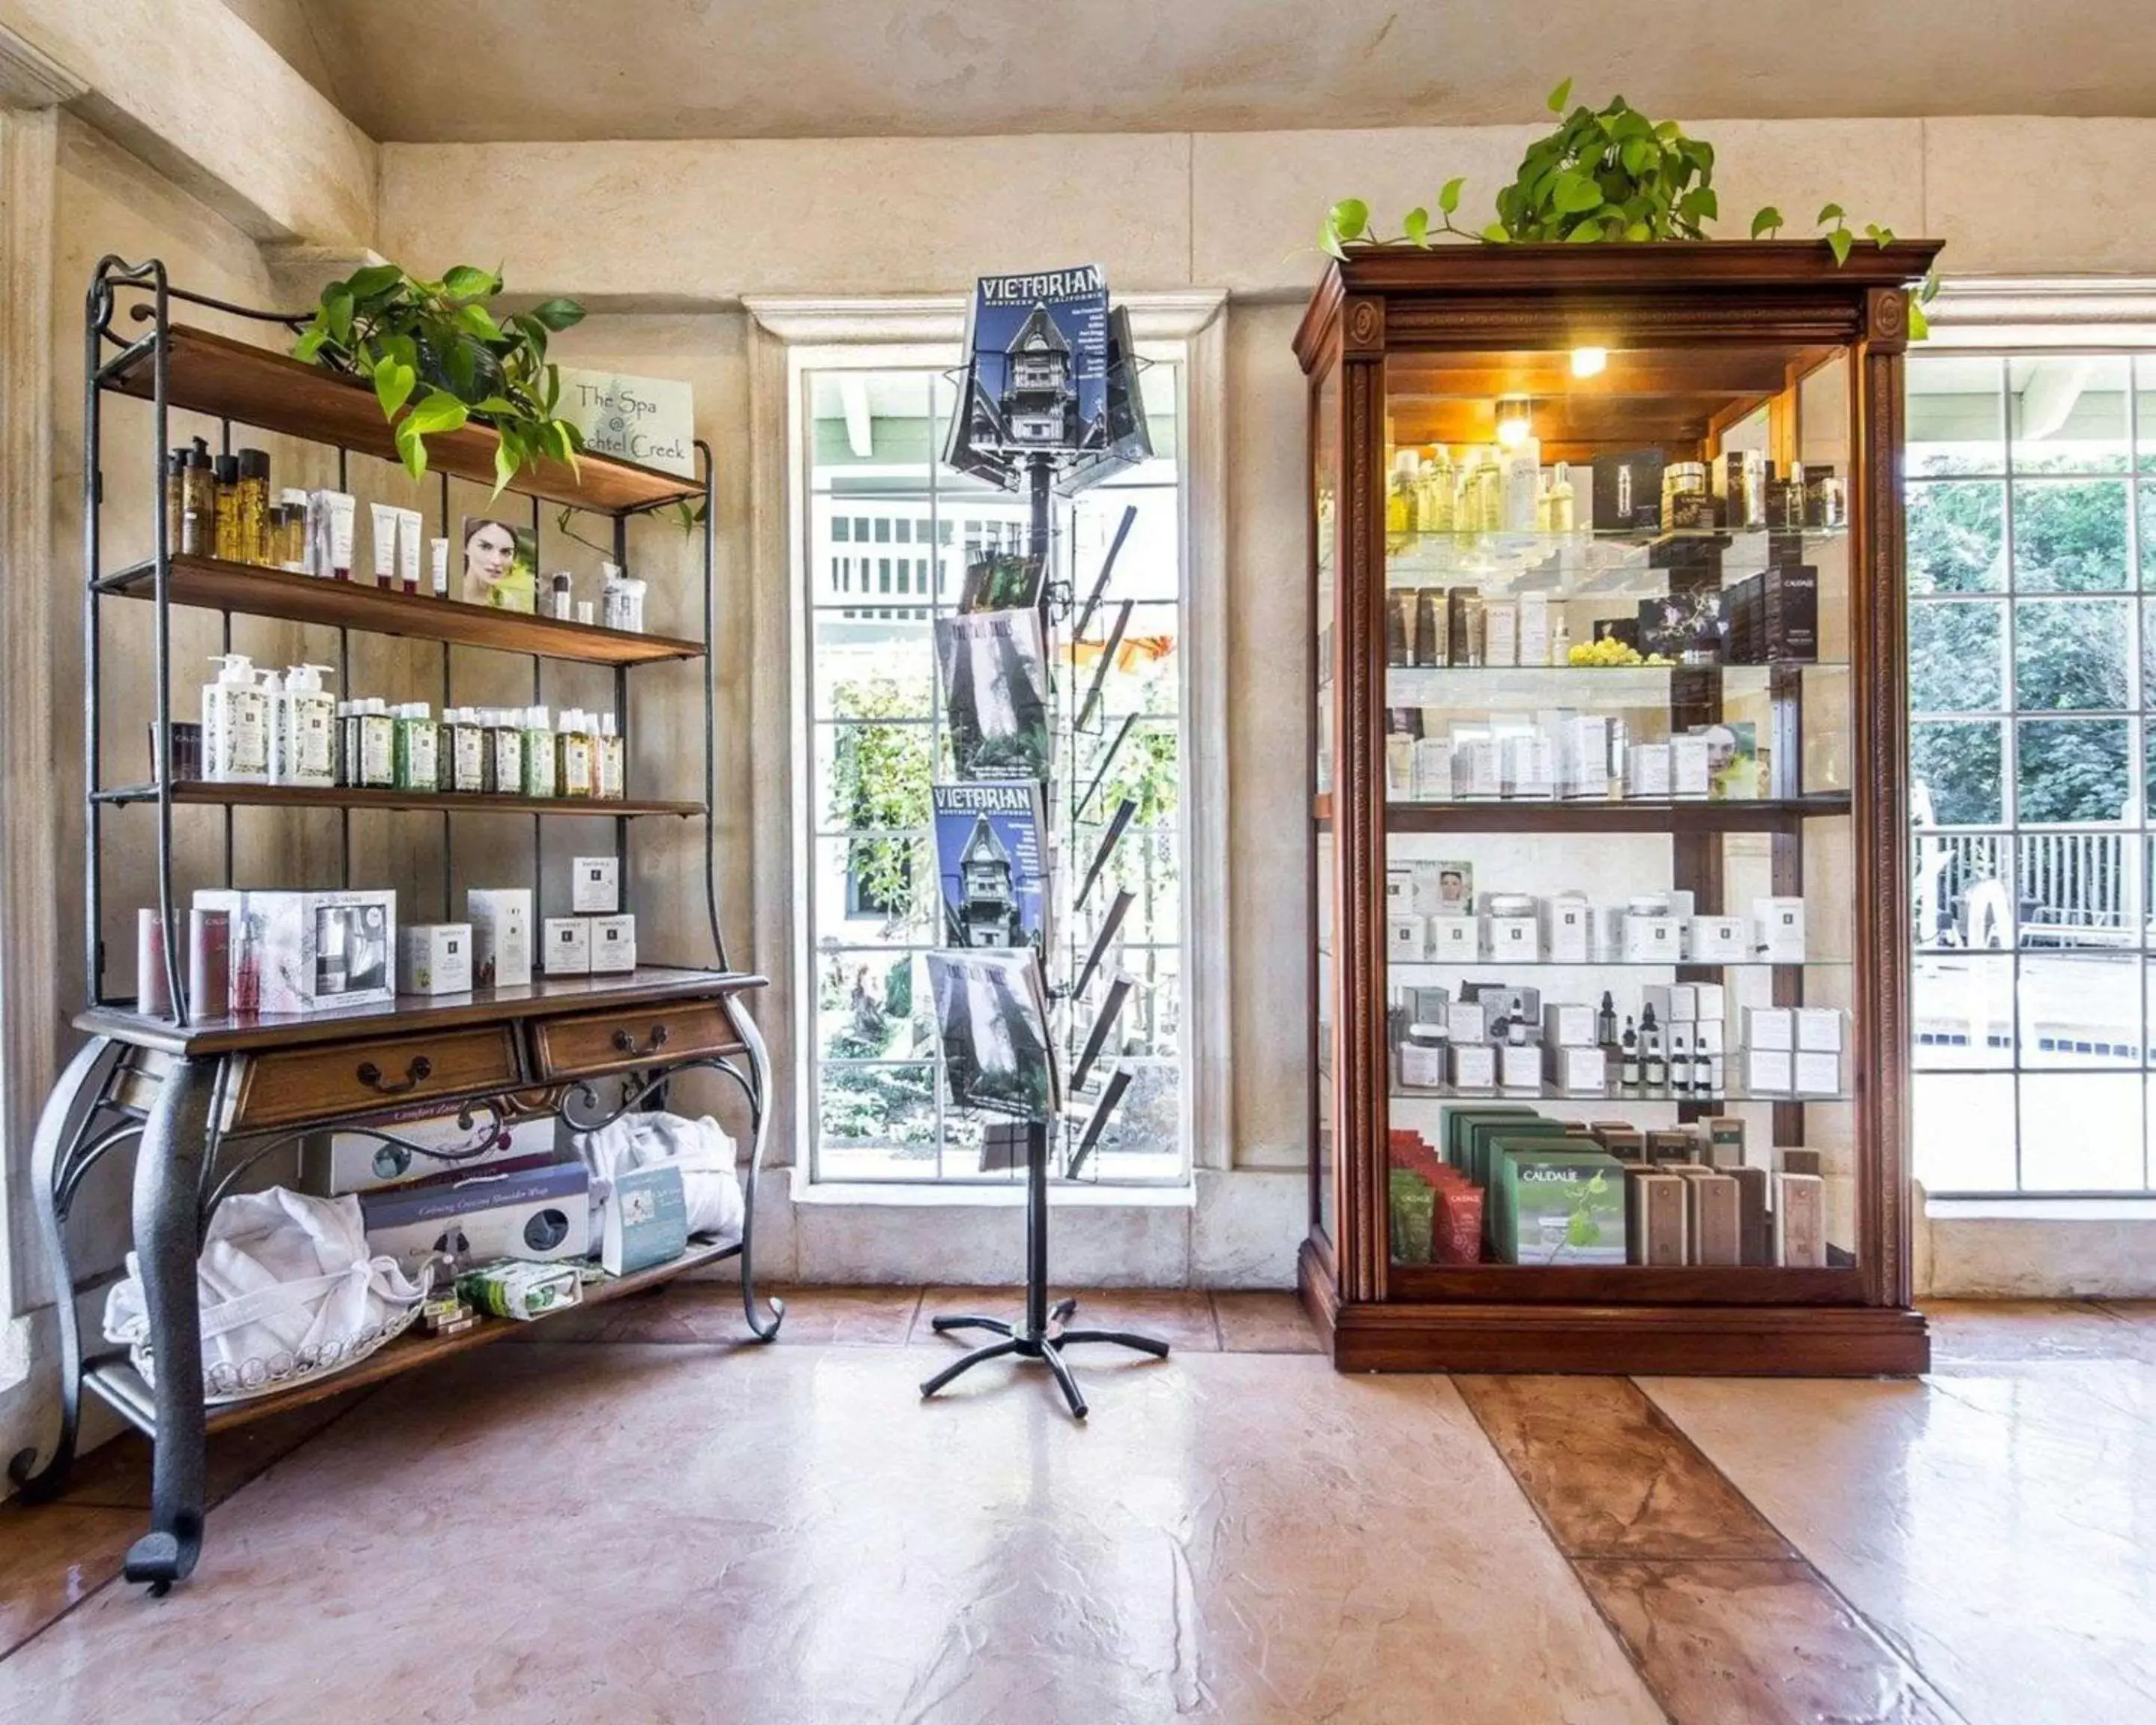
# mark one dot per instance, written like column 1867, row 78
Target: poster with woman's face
column 500, row 559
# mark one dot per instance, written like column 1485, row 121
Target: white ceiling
column 423, row 70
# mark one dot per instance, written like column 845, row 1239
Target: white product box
column 1653, row 940
column 1578, row 1068
column 1710, row 1000
column 1516, row 939
column 538, row 1213
column 1407, row 937
column 1681, row 904
column 613, row 945
column 1568, row 1026
column 568, row 946
column 1456, row 939
column 1520, row 1065
column 1767, row 1072
column 301, row 951
column 500, row 918
column 595, row 884
column 1647, row 770
column 1399, row 888
column 1817, row 1075
column 435, row 959
column 1718, row 940
column 334, row 1163
column 1609, row 932
column 1466, row 1021
column 1819, row 1029
column 1584, row 765
column 1534, row 641
column 1707, row 1036
column 1500, row 632
column 1527, row 767
column 1678, row 1038
column 1432, row 770
column 1688, row 775
column 1475, row 766
column 1800, row 1221
column 1567, row 930
column 1777, row 930
column 1674, row 1002
column 1474, row 1066
column 1769, row 1027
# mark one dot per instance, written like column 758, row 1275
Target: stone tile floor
column 639, row 1515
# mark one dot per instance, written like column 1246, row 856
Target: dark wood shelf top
column 648, row 985
column 207, row 373
column 1707, row 1284
column 1759, row 815
column 307, row 796
column 210, row 583
column 118, row 1383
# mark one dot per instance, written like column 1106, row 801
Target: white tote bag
column 288, row 1291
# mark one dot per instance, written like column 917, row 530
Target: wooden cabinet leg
column 168, row 1174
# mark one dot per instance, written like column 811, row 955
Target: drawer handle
column 370, row 1074
column 626, row 1043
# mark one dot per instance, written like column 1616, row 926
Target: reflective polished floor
column 641, row 1518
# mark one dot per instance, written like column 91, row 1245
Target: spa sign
column 650, row 420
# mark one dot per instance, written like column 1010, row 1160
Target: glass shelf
column 1397, row 964
column 1609, row 1093
column 1610, row 673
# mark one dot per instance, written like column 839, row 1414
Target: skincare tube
column 339, row 509
column 439, row 550
column 385, row 543
column 410, row 528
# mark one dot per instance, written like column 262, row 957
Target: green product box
column 1413, row 1210
column 1558, row 1206
column 1485, row 1134
column 1453, row 1121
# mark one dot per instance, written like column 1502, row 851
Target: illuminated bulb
column 1514, row 422
column 1588, row 362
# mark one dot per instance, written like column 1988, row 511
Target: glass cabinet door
column 1325, row 445
column 1619, row 860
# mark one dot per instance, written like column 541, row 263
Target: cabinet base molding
column 1660, row 1340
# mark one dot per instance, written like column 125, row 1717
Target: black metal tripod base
column 1045, row 1345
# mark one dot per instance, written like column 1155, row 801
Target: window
column 878, row 1111
column 2031, row 494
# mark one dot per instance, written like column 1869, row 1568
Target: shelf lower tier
column 209, row 583
column 121, row 1386
column 1780, row 814
column 297, row 796
column 1727, row 1095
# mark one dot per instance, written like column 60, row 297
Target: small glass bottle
column 613, row 760
column 1654, row 1064
column 561, row 603
column 1628, row 1067
column 251, row 534
column 197, row 533
column 341, row 746
column 375, row 755
column 538, row 754
column 466, row 750
column 574, row 765
column 226, row 532
column 1563, row 510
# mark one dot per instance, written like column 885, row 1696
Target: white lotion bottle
column 309, row 753
column 235, row 724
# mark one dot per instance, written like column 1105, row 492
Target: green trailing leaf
column 1830, row 212
column 1414, row 225
column 466, row 282
column 393, row 382
column 1768, row 221
column 1920, row 326
column 1448, row 196
column 1559, row 96
column 558, row 313
column 1350, row 218
column 1839, row 242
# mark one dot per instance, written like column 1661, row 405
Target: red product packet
column 1456, row 1233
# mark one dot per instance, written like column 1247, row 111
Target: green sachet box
column 1482, row 1135
column 1413, row 1210
column 1453, row 1121
column 1559, row 1207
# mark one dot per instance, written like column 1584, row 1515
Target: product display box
column 1800, row 1221
column 1655, row 1231
column 595, row 884
column 1774, row 616
column 1627, row 491
column 1568, row 1026
column 1818, row 1028
column 566, row 946
column 1578, row 1071
column 435, row 959
column 334, row 1163
column 1712, row 1216
column 646, row 1220
column 304, row 952
column 1567, row 930
column 1689, row 627
column 542, row 1213
column 1406, row 936
column 1520, row 1065
column 1770, row 1027
column 1653, row 940
column 613, row 945
column 1777, row 930
column 1558, row 1206
column 1455, row 939
column 1718, row 940
column 1514, row 940
column 500, row 919
column 1474, row 1066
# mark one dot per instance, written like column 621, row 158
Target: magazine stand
column 1039, row 1334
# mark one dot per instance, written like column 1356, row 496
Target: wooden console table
column 205, row 1103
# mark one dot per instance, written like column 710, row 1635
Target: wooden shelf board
column 301, row 796
column 211, row 583
column 213, row 374
column 647, row 985
column 120, row 1385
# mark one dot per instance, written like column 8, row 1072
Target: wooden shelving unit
column 1772, row 348
column 299, row 796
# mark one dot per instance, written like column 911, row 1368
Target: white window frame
column 794, row 336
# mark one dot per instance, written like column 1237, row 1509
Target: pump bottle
column 304, row 749
column 235, row 724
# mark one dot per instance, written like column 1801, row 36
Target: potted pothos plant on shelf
column 1603, row 175
column 440, row 356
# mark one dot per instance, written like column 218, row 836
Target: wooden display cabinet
column 1432, row 745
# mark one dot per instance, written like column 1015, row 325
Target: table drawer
column 632, row 1036
column 364, row 1077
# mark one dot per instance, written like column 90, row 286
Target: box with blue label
column 541, row 1214
column 646, row 1220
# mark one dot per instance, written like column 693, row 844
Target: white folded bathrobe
column 700, row 1148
